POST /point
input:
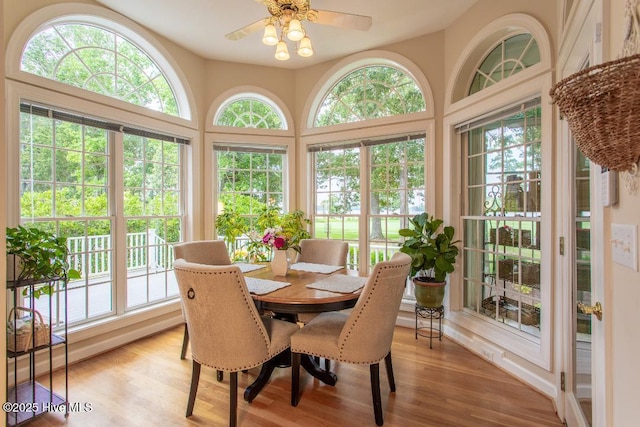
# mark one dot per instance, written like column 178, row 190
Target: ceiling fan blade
column 245, row 31
column 345, row 20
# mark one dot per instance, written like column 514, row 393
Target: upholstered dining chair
column 227, row 333
column 363, row 336
column 210, row 252
column 322, row 251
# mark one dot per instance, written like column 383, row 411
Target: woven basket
column 29, row 335
column 602, row 107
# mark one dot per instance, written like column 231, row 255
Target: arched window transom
column 509, row 57
column 369, row 93
column 101, row 61
column 250, row 112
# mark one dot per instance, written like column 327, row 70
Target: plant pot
column 429, row 293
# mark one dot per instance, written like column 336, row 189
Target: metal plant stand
column 431, row 314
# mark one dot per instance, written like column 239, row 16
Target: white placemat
column 246, row 267
column 263, row 286
column 339, row 283
column 315, row 268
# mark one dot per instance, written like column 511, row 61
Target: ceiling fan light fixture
column 270, row 37
column 295, row 32
column 282, row 52
column 305, row 50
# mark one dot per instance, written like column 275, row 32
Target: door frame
column 581, row 39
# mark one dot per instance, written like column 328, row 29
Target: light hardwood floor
column 146, row 384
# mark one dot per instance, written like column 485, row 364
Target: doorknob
column 596, row 309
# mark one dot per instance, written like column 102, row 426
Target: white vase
column 279, row 263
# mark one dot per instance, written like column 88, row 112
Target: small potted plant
column 433, row 252
column 37, row 255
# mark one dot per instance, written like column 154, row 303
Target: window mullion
column 119, row 232
column 365, row 208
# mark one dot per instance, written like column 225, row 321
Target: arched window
column 369, row 93
column 509, row 57
column 501, row 142
column 250, row 175
column 250, row 112
column 348, row 198
column 69, row 144
column 99, row 60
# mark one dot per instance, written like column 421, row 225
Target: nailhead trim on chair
column 356, row 319
column 266, row 338
column 350, row 330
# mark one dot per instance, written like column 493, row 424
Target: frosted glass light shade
column 295, row 33
column 270, row 37
column 305, row 49
column 282, row 52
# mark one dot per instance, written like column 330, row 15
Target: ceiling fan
column 287, row 16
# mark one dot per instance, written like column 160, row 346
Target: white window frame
column 537, row 351
column 247, row 137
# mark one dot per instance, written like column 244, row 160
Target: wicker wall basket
column 602, row 107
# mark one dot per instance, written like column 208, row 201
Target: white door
column 582, row 264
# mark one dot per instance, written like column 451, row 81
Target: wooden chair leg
column 392, row 381
column 195, row 378
column 185, row 342
column 219, row 376
column 233, row 399
column 375, row 392
column 295, row 378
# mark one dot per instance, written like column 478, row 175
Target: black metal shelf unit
column 26, row 397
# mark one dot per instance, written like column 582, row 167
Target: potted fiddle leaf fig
column 433, row 252
column 38, row 255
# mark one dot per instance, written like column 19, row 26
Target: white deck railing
column 92, row 254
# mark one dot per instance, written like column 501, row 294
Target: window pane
column 502, row 256
column 248, row 183
column 152, row 202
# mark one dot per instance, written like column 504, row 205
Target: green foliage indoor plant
column 36, row 254
column 231, row 225
column 433, row 252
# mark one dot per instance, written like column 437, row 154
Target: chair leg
column 233, row 399
column 185, row 342
column 295, row 378
column 219, row 376
column 195, row 378
column 375, row 392
column 327, row 365
column 392, row 381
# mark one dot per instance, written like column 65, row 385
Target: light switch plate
column 624, row 245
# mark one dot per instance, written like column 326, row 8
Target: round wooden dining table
column 297, row 297
column 285, row 304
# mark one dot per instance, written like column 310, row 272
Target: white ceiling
column 201, row 25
